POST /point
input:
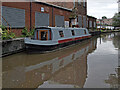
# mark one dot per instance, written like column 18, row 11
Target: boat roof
column 54, row 28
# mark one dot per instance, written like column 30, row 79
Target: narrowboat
column 51, row 38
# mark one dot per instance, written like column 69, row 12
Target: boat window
column 61, row 34
column 85, row 32
column 43, row 35
column 73, row 33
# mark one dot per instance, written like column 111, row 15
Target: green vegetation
column 104, row 17
column 6, row 34
column 25, row 33
column 116, row 20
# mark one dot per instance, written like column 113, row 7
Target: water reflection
column 64, row 68
column 114, row 78
column 89, row 64
column 114, row 37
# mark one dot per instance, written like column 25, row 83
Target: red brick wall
column 91, row 19
column 48, row 9
column 81, row 9
column 17, row 32
column 20, row 5
column 64, row 13
column 68, row 5
column 36, row 7
column 0, row 12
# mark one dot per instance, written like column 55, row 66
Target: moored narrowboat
column 50, row 38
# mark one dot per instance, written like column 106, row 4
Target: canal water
column 91, row 63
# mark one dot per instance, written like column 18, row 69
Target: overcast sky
column 99, row 8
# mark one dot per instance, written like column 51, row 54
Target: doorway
column 43, row 35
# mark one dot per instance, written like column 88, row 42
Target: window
column 84, row 2
column 90, row 24
column 61, row 34
column 94, row 24
column 85, row 32
column 73, row 33
column 44, row 35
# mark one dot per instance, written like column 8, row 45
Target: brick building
column 68, row 5
column 91, row 22
column 105, row 23
column 18, row 15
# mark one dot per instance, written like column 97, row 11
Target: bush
column 6, row 34
column 25, row 33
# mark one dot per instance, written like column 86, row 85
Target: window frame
column 61, row 34
column 85, row 32
column 73, row 32
column 40, row 34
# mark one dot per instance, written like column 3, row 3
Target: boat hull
column 33, row 48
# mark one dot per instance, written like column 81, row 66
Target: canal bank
column 88, row 64
column 94, row 33
column 12, row 46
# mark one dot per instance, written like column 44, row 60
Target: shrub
column 25, row 33
column 6, row 34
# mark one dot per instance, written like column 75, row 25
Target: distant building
column 91, row 22
column 108, row 22
column 105, row 23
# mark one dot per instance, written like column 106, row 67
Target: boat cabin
column 56, row 33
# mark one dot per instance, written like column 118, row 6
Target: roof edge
column 52, row 5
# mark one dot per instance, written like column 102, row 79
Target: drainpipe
column 52, row 16
column 30, row 15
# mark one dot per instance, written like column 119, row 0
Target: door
column 43, row 35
